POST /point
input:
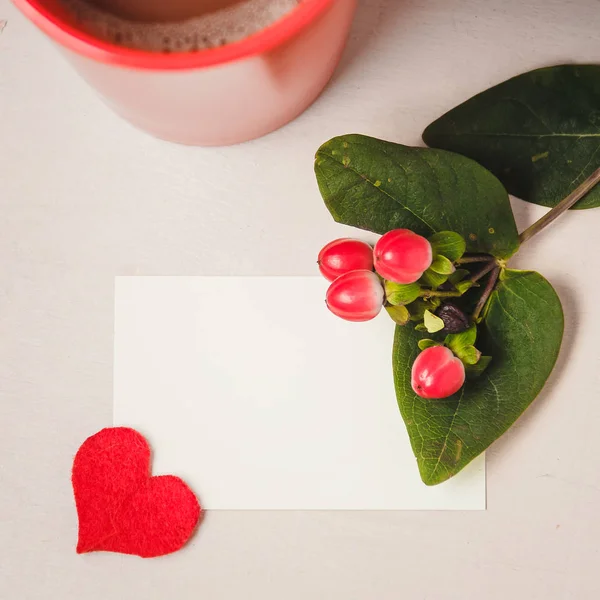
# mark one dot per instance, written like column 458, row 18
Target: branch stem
column 437, row 294
column 476, row 258
column 489, row 288
column 561, row 207
column 489, row 267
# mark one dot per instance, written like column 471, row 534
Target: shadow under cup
column 212, row 97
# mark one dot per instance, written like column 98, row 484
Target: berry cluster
column 413, row 278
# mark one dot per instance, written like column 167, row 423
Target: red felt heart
column 121, row 508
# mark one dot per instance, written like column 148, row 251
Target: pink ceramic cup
column 211, row 97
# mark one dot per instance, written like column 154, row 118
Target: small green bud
column 399, row 314
column 432, row 323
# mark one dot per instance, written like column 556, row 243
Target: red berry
column 437, row 373
column 402, row 256
column 356, row 296
column 345, row 255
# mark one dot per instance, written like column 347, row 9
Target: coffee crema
column 218, row 28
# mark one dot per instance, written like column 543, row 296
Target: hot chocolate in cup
column 196, row 85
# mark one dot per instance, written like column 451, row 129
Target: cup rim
column 87, row 45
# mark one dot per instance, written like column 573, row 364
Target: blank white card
column 249, row 389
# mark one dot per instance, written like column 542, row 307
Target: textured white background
column 84, row 197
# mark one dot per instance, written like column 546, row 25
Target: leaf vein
column 508, row 288
column 496, row 392
column 589, row 162
column 366, row 179
column 519, row 101
column 529, row 334
column 518, row 135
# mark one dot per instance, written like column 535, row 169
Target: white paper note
column 259, row 398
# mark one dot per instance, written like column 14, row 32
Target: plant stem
column 489, row 267
column 561, row 207
column 476, row 258
column 489, row 288
column 436, row 294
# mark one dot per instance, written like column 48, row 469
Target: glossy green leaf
column 442, row 265
column 538, row 132
column 380, row 186
column 427, row 343
column 432, row 279
column 399, row 314
column 449, row 243
column 522, row 330
column 398, row 293
column 469, row 355
column 457, row 341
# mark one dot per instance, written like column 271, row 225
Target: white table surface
column 84, row 197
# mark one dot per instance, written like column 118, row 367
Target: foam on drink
column 214, row 29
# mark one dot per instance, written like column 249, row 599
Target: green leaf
column 452, row 245
column 442, row 265
column 426, row 343
column 469, row 355
column 418, row 308
column 380, row 186
column 463, row 345
column 457, row 341
column 476, row 370
column 433, row 323
column 421, row 327
column 434, row 303
column 398, row 293
column 432, row 279
column 539, row 132
column 458, row 276
column 399, row 314
column 523, row 331
column 463, row 286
